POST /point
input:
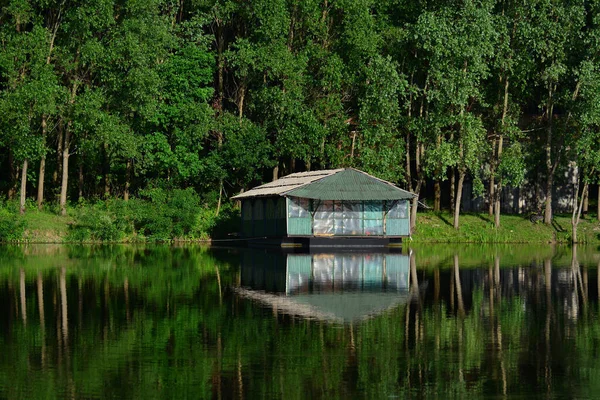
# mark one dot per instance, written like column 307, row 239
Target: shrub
column 99, row 222
column 11, row 226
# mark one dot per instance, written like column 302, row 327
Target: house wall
column 264, row 216
column 341, row 218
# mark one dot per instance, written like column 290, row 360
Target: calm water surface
column 189, row 322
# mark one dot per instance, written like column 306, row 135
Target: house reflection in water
column 340, row 287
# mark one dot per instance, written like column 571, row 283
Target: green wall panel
column 299, row 226
column 398, row 227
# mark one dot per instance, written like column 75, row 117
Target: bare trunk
column 548, row 207
column 80, row 180
column 415, row 205
column 220, row 198
column 65, row 175
column 65, row 156
column 598, row 200
column 275, row 173
column 452, row 189
column 241, row 98
column 576, row 216
column 497, row 206
column 491, row 197
column 586, row 203
column 353, row 144
column 408, row 175
column 42, row 173
column 492, row 194
column 106, row 171
column 23, row 187
column 59, row 150
column 65, row 182
column 437, row 199
column 461, row 179
column 549, row 169
column 499, row 155
column 127, row 179
column 420, row 150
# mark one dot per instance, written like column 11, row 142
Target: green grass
column 479, row 228
column 47, row 227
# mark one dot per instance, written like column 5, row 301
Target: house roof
column 335, row 184
column 330, row 307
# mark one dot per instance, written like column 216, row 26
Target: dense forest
column 113, row 98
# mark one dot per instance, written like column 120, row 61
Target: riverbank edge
column 49, row 228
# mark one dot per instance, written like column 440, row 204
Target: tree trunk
column 586, row 203
column 220, row 198
column 80, row 183
column 408, row 176
column 497, row 205
column 23, row 187
column 549, row 169
column 491, row 197
column 598, row 210
column 548, row 207
column 452, row 189
column 65, row 175
column 420, row 179
column 106, row 171
column 576, row 216
column 59, row 150
column 127, row 180
column 42, row 173
column 498, row 191
column 437, row 199
column 492, row 194
column 461, row 179
column 415, row 205
column 275, row 173
column 241, row 98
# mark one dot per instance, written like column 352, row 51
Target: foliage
column 11, row 226
column 217, row 95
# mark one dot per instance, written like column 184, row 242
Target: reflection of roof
column 332, row 307
column 335, row 184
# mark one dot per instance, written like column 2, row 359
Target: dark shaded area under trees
column 117, row 99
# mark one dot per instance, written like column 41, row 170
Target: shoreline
column 431, row 228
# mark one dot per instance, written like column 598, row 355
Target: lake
column 444, row 321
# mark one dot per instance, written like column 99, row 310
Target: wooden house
column 328, row 208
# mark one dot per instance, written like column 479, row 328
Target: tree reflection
column 157, row 322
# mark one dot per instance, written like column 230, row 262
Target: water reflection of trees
column 98, row 322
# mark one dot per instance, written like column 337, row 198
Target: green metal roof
column 350, row 184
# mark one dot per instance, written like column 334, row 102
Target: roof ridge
column 338, row 170
column 380, row 180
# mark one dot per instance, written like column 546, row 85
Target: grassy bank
column 179, row 216
column 479, row 228
column 159, row 216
